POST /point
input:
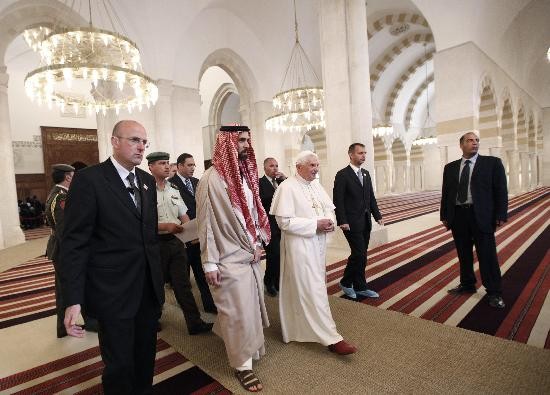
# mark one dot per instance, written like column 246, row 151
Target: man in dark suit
column 355, row 203
column 268, row 184
column 474, row 202
column 187, row 185
column 110, row 261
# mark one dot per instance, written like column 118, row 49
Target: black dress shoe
column 462, row 289
column 201, row 328
column 496, row 302
column 271, row 290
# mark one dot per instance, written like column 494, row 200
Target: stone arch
column 507, row 121
column 382, row 166
column 218, row 101
column 389, row 55
column 241, row 74
column 394, row 18
column 414, row 99
column 417, row 168
column 398, row 86
column 521, row 130
column 399, row 155
column 25, row 13
column 487, row 120
column 531, row 133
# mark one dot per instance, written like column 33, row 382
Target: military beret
column 62, row 167
column 235, row 128
column 154, row 156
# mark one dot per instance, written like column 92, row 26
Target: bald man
column 110, row 261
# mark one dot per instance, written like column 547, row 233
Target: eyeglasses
column 135, row 140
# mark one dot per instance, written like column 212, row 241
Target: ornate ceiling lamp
column 298, row 107
column 109, row 62
column 427, row 127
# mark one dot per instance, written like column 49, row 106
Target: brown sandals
column 248, row 380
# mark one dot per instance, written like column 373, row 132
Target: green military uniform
column 170, row 207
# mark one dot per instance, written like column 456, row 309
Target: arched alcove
column 399, row 156
column 487, row 124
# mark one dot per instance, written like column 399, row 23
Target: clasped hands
column 325, row 225
column 214, row 278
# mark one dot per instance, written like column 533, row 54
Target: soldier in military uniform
column 172, row 213
column 62, row 176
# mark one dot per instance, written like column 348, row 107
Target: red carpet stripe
column 483, row 318
column 190, row 380
column 521, row 319
column 452, row 273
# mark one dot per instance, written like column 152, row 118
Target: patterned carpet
column 398, row 208
column 36, row 233
column 413, row 274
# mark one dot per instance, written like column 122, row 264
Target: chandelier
column 383, row 129
column 298, row 107
column 425, row 141
column 109, row 63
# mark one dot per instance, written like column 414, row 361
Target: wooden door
column 68, row 145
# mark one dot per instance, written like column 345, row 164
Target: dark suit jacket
column 187, row 197
column 267, row 190
column 489, row 192
column 354, row 203
column 107, row 245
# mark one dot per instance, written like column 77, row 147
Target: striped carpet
column 398, row 208
column 413, row 274
column 80, row 373
column 36, row 233
column 27, row 294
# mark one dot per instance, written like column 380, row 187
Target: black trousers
column 466, row 235
column 176, row 272
column 354, row 274
column 273, row 261
column 128, row 347
column 194, row 260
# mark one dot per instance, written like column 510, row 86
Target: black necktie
column 463, row 183
column 135, row 190
column 275, row 185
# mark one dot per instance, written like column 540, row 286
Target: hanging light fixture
column 298, row 107
column 428, row 122
column 382, row 127
column 109, row 62
column 425, row 140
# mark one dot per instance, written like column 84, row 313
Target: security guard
column 172, row 213
column 62, row 175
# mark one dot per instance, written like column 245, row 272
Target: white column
column 513, row 175
column 524, row 163
column 163, row 118
column 545, row 168
column 188, row 135
column 265, row 142
column 105, row 124
column 344, row 57
column 346, row 81
column 11, row 233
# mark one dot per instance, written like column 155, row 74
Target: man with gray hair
column 305, row 215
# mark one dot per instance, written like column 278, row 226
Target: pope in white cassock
column 305, row 215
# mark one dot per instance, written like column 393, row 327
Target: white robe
column 303, row 300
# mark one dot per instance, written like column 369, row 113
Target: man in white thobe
column 305, row 215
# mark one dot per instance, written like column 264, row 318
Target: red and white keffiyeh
column 229, row 167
